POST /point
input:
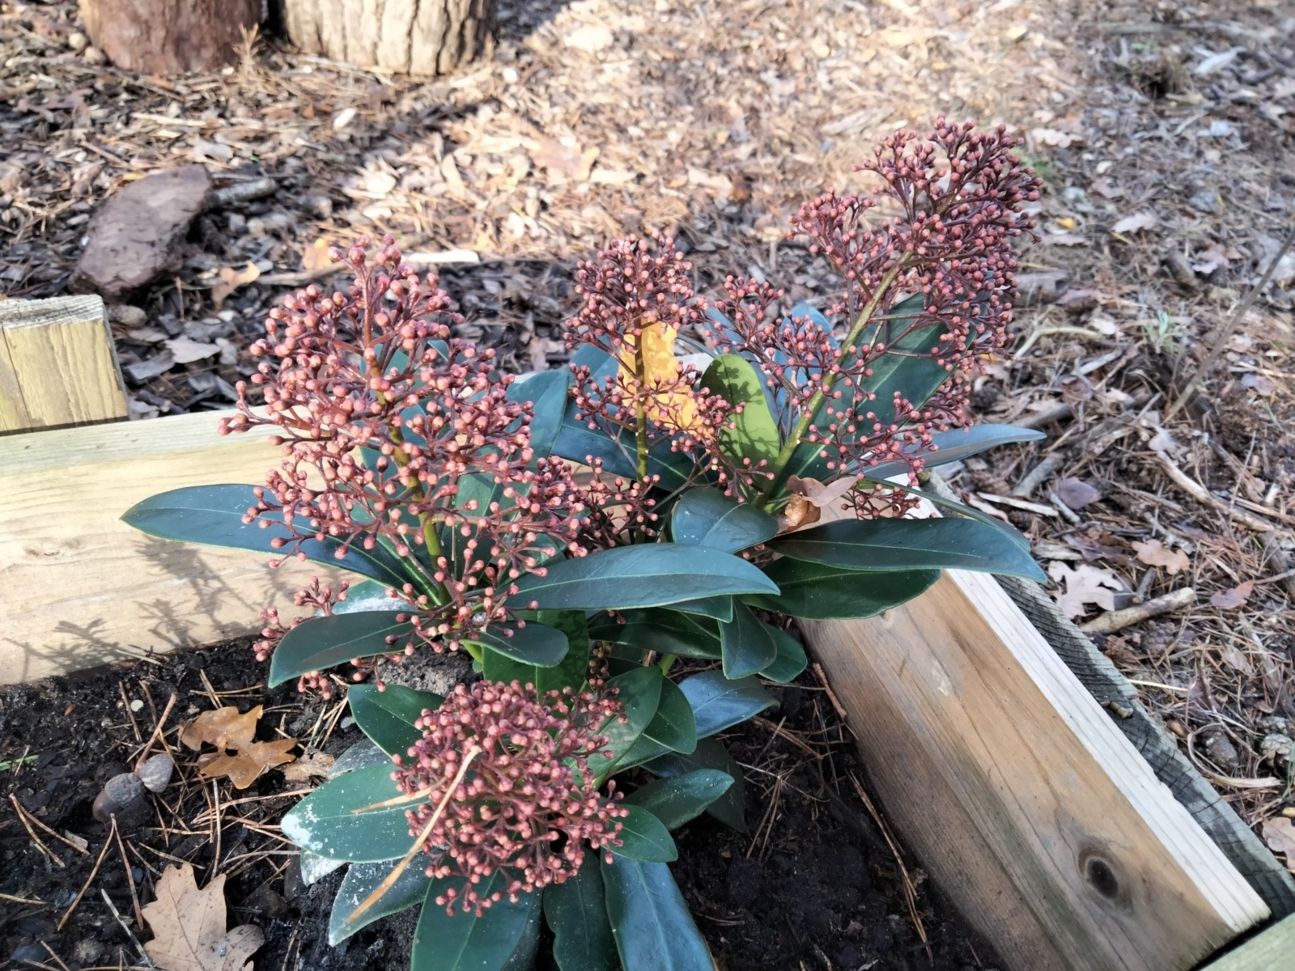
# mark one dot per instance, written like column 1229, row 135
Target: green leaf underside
column 730, row 808
column 751, row 433
column 650, row 921
column 885, row 545
column 325, row 822
column 324, row 642
column 791, row 659
column 816, row 592
column 958, row 444
column 645, row 838
column 535, row 644
column 576, row 911
column 572, row 672
column 502, row 939
column 707, row 517
column 647, row 575
column 665, row 631
column 747, row 644
column 360, row 881
column 213, row 515
column 681, row 799
column 639, row 691
column 719, row 703
column 388, row 716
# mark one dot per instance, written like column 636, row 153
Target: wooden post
column 170, row 36
column 1270, row 950
column 58, row 365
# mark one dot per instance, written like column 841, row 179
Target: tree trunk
column 169, row 36
column 401, row 36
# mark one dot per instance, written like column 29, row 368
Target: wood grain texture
column 169, row 36
column 78, row 587
column 1020, row 797
column 1272, row 949
column 58, row 365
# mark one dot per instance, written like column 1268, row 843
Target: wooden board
column 1272, row 949
column 1018, row 794
column 78, row 587
column 58, row 365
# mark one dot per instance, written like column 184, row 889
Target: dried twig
column 910, row 891
column 1037, row 476
column 1115, row 620
column 94, row 872
column 1201, row 494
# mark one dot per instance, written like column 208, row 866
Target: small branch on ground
column 1115, row 620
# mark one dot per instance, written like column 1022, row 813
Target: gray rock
column 134, row 236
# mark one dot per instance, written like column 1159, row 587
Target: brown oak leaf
column 1234, row 597
column 1279, row 834
column 238, row 756
column 1083, row 586
column 188, row 926
column 1152, row 552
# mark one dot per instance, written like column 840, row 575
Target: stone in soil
column 135, row 235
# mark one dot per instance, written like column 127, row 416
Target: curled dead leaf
column 1152, row 552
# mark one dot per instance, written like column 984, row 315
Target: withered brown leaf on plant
column 238, row 756
column 188, row 926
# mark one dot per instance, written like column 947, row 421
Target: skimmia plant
column 577, row 531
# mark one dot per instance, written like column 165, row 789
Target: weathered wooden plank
column 58, row 364
column 1271, row 949
column 1018, row 794
column 79, row 588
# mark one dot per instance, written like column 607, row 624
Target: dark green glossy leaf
column 956, row 445
column 535, row 644
column 730, row 808
column 639, row 691
column 747, row 644
column 751, row 433
column 572, row 672
column 886, row 545
column 324, row 642
column 791, row 660
column 707, row 517
column 547, row 391
column 213, row 514
column 719, row 608
column 672, row 729
column 817, row 592
column 388, row 716
column 577, row 914
column 644, row 837
column 648, row 575
column 664, row 631
column 958, row 509
column 314, row 867
column 678, row 800
column 503, row 938
column 650, row 921
column 360, row 881
column 718, row 703
column 326, row 821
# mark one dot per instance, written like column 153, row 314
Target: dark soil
column 813, row 885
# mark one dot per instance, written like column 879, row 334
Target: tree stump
column 401, row 36
column 169, row 36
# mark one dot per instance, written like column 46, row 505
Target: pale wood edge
column 1272, row 949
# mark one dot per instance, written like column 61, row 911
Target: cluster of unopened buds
column 506, row 777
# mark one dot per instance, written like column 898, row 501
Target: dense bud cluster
column 525, row 806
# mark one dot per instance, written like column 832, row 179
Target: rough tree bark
column 169, row 36
column 401, row 36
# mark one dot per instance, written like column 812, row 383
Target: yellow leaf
column 667, row 402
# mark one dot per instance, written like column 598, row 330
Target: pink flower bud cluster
column 321, row 599
column 525, row 807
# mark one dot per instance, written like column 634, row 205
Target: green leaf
column 535, row 644
column 662, row 630
column 503, row 938
column 683, row 798
column 547, row 391
column 315, row 867
column 639, row 691
column 886, row 545
column 718, row 608
column 718, row 703
column 747, row 644
column 957, row 509
column 752, row 433
column 644, row 837
column 572, row 672
column 326, row 821
column 213, row 514
column 388, row 716
column 647, row 575
column 577, row 913
column 816, row 592
column 323, row 642
column 707, row 517
column 649, row 919
column 673, row 727
column 730, row 808
column 791, row 660
column 956, row 445
column 360, row 881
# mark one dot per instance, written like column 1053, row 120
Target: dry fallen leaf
column 1233, row 598
column 315, row 256
column 1135, row 223
column 185, row 350
column 188, row 926
column 1083, row 586
column 1152, row 552
column 1279, row 834
column 820, row 494
column 1076, row 493
column 798, row 512
column 231, row 278
column 227, row 729
column 316, row 765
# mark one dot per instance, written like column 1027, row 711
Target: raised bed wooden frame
column 1008, row 775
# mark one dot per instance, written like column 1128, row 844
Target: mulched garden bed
column 815, row 883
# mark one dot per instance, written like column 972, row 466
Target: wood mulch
column 1164, row 132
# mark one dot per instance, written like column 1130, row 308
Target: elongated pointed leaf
column 213, row 515
column 750, row 434
column 877, row 545
column 718, row 608
column 547, row 392
column 956, row 445
column 573, row 670
column 649, row 575
column 650, row 921
column 503, row 938
column 730, row 808
column 535, row 644
column 678, row 800
column 747, row 644
column 639, row 690
column 360, row 881
column 672, row 729
column 576, row 911
column 388, row 716
column 707, row 517
column 324, row 642
column 718, row 703
column 662, row 630
column 326, row 821
column 817, row 592
column 790, row 660
column 958, row 509
column 644, row 837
